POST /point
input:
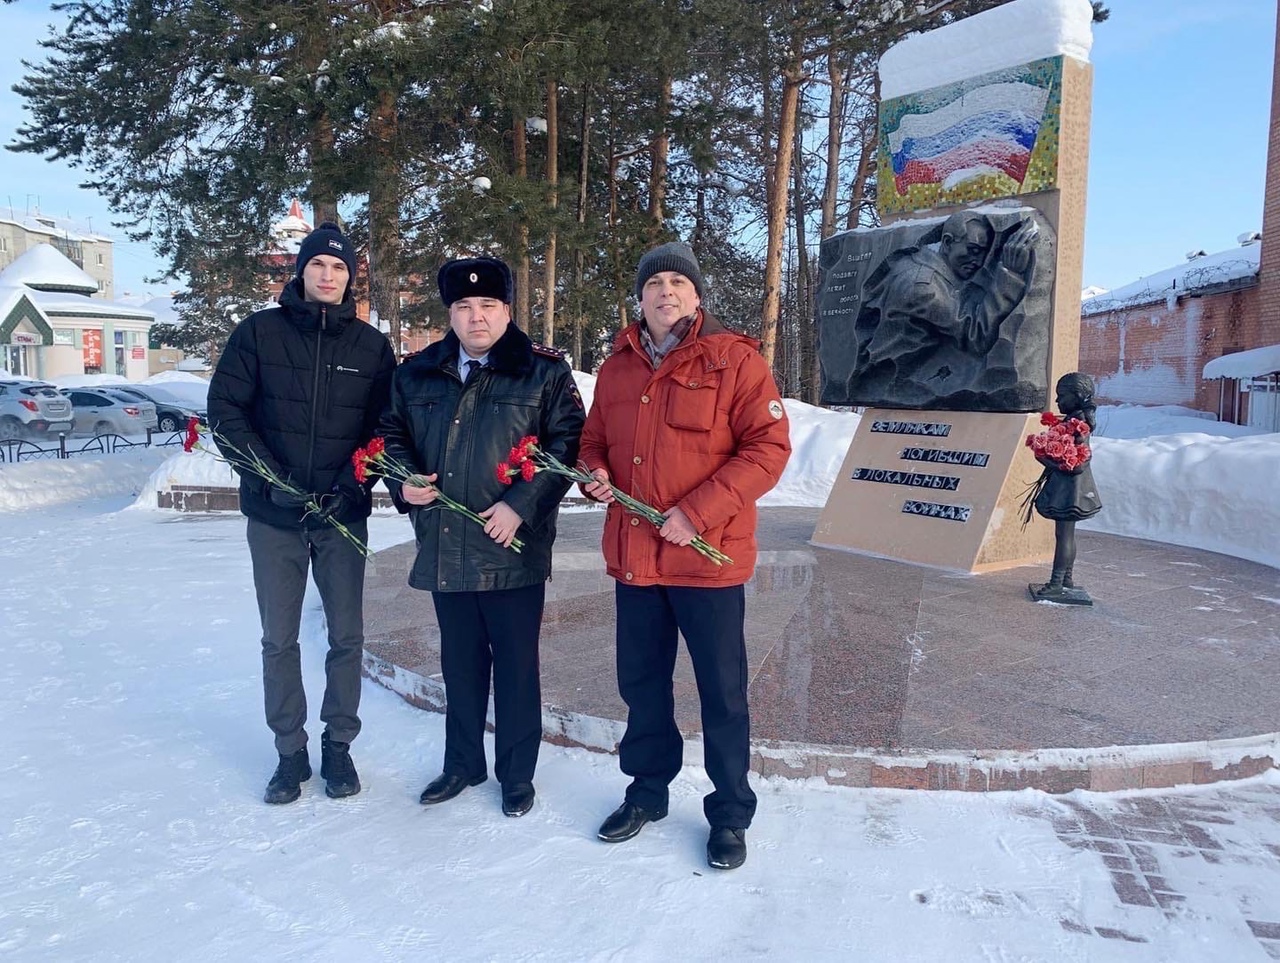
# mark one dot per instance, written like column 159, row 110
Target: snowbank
column 1202, row 491
column 39, row 484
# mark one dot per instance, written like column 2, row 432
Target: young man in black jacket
column 457, row 409
column 302, row 386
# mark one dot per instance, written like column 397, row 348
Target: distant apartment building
column 88, row 250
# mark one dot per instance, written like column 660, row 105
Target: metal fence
column 16, row 450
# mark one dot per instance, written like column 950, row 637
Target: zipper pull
column 324, row 317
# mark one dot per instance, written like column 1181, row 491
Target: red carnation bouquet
column 373, row 460
column 526, row 460
column 253, row 463
column 1061, row 446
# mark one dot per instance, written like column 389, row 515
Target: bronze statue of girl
column 1067, row 495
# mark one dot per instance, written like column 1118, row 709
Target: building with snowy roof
column 1147, row 342
column 52, row 324
column 91, row 251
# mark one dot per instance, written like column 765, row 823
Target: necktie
column 472, row 367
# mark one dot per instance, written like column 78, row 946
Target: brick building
column 1149, row 342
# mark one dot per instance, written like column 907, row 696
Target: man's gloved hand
column 286, row 499
column 333, row 504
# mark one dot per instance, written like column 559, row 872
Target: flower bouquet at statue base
column 526, row 460
column 1060, row 447
column 373, row 460
column 252, row 463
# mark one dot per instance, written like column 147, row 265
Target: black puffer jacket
column 436, row 424
column 301, row 385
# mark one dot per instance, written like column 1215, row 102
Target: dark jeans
column 280, row 561
column 711, row 621
column 481, row 631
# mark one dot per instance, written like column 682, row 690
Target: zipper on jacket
column 315, row 399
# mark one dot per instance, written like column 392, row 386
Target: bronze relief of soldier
column 937, row 328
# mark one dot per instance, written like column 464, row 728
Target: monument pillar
column 951, row 322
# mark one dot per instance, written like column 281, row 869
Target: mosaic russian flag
column 986, row 137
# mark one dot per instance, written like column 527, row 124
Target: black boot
column 286, row 783
column 1067, row 581
column 337, row 769
column 726, row 847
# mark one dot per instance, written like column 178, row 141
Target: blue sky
column 1182, row 93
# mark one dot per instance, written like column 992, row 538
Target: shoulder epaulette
column 548, row 352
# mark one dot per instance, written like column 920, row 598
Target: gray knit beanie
column 673, row 256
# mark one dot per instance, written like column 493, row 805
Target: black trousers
column 498, row 631
column 711, row 621
column 280, row 561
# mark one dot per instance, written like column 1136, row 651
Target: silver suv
column 32, row 409
column 102, row 411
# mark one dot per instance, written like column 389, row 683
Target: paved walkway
column 873, row 672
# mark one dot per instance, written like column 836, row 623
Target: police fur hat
column 328, row 239
column 673, row 256
column 474, row 277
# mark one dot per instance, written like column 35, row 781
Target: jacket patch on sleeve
column 775, row 409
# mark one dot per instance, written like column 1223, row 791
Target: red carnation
column 516, row 456
column 375, row 447
column 504, row 472
column 193, row 433
column 362, row 472
column 527, row 470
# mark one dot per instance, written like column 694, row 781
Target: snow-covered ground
column 136, row 756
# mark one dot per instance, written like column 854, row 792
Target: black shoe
column 517, row 799
column 625, row 821
column 286, row 783
column 447, row 785
column 726, row 848
column 337, row 769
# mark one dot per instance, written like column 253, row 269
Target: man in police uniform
column 457, row 408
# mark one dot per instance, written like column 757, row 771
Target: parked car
column 172, row 412
column 32, row 409
column 105, row 411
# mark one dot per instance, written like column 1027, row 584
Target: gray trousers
column 280, row 560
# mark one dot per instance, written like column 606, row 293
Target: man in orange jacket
column 686, row 417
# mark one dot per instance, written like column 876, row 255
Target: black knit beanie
column 673, row 256
column 328, row 239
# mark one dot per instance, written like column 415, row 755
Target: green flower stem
column 635, row 506
column 254, row 463
column 386, row 466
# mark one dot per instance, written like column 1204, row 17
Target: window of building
column 101, row 260
column 119, row 336
column 102, row 285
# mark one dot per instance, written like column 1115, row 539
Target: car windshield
column 41, row 391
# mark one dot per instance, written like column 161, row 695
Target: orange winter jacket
column 706, row 431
